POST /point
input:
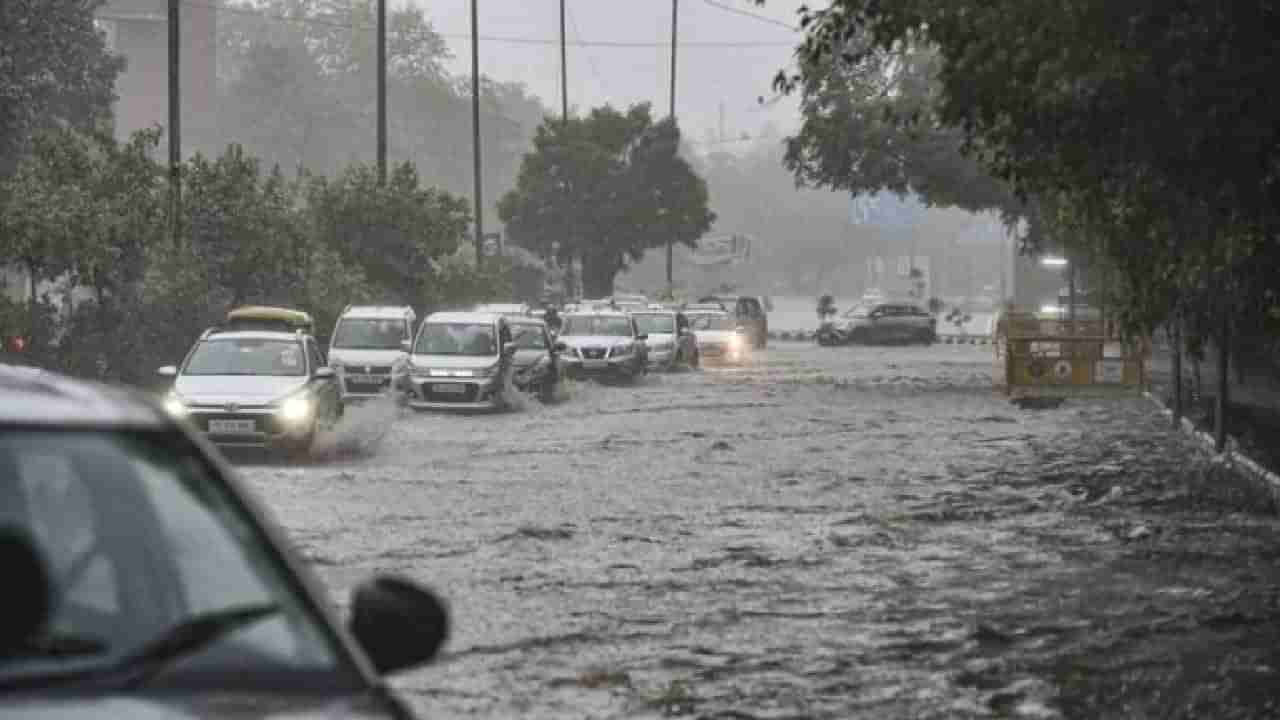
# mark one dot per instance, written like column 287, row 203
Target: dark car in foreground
column 142, row 581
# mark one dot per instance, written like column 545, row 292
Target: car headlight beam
column 296, row 409
column 175, row 407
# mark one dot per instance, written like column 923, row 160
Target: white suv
column 369, row 342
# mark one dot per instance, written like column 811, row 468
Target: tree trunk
column 597, row 276
column 1224, row 387
column 1177, row 369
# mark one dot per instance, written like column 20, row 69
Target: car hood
column 716, row 335
column 454, row 362
column 365, row 357
column 593, row 340
column 213, row 389
column 201, row 706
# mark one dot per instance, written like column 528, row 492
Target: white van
column 369, row 342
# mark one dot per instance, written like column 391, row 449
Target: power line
column 509, row 39
column 747, row 13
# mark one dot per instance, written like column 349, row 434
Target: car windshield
column 596, row 325
column 368, row 334
column 456, row 339
column 139, row 538
column 656, row 323
column 246, row 356
column 528, row 337
column 713, row 322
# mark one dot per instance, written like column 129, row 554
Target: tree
column 395, row 233
column 603, row 189
column 55, row 71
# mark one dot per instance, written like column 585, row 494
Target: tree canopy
column 604, row 188
column 1146, row 133
column 55, row 71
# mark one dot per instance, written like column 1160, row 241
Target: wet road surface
column 828, row 533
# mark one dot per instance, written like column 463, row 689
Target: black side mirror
column 560, row 347
column 398, row 624
column 28, row 608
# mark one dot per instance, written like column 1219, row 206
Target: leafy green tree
column 603, row 189
column 237, row 223
column 55, row 71
column 394, row 232
column 41, row 209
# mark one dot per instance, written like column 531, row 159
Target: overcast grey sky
column 633, row 64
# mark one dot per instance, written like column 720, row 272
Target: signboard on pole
column 492, row 245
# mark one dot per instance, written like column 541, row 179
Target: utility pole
column 675, row 14
column 382, row 91
column 564, row 71
column 475, row 129
column 175, row 124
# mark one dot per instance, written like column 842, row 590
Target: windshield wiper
column 180, row 641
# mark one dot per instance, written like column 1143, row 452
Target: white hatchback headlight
column 174, row 406
column 296, row 409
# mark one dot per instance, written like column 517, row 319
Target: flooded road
column 828, row 533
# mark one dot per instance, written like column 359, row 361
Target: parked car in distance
column 720, row 338
column 368, row 343
column 255, row 388
column 536, row 362
column 459, row 360
column 144, row 581
column 894, row 322
column 670, row 341
column 602, row 343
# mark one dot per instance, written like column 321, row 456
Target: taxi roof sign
column 260, row 317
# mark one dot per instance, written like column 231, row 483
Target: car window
column 656, row 323
column 369, row 334
column 461, row 338
column 529, row 337
column 714, row 322
column 139, row 538
column 609, row 325
column 246, row 356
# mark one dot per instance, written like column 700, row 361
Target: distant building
column 138, row 30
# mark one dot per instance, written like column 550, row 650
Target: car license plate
column 454, row 388
column 364, row 379
column 232, row 426
column 595, row 364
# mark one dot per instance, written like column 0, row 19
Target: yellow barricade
column 1052, row 355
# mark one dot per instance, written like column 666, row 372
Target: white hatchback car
column 459, row 360
column 368, row 343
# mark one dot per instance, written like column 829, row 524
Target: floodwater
column 825, row 533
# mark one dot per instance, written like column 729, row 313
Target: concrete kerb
column 1236, row 460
